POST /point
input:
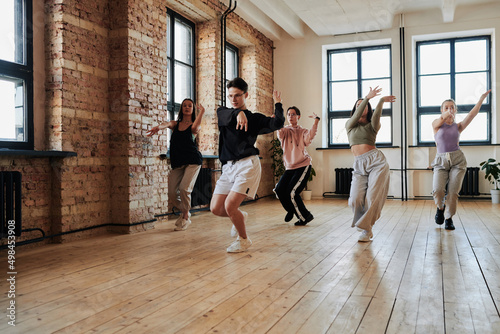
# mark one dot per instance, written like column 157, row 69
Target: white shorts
column 241, row 176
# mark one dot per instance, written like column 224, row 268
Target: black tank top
column 183, row 149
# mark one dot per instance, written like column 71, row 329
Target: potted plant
column 277, row 156
column 492, row 174
column 307, row 194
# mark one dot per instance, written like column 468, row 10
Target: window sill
column 37, row 154
column 460, row 144
column 348, row 148
column 167, row 156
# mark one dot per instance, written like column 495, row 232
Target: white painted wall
column 300, row 67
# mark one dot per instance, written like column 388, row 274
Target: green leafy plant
column 492, row 171
column 311, row 176
column 277, row 156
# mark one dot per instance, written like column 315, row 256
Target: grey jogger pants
column 369, row 188
column 448, row 168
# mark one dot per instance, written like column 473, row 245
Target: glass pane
column 12, row 108
column 168, row 35
column 426, row 131
column 384, row 135
column 231, row 62
column 375, row 63
column 471, row 56
column 434, row 90
column 385, row 84
column 183, row 42
column 338, row 132
column 344, row 66
column 434, row 58
column 183, row 86
column 477, row 130
column 11, row 31
column 169, row 98
column 344, row 95
column 469, row 88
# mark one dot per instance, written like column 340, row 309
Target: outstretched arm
column 164, row 125
column 473, row 113
column 378, row 111
column 310, row 134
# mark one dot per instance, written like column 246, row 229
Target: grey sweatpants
column 181, row 182
column 369, row 188
column 449, row 168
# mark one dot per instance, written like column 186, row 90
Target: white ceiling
column 336, row 17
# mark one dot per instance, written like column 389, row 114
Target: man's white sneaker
column 183, row 225
column 234, row 231
column 239, row 245
column 365, row 236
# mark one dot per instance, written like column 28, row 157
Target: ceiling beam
column 448, row 10
column 280, row 13
column 253, row 15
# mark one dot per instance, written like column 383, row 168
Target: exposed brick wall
column 105, row 86
column 77, row 111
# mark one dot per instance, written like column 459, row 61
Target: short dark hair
column 238, row 83
column 370, row 110
column 297, row 111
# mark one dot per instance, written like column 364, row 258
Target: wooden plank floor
column 415, row 277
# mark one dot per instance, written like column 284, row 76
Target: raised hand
column 313, row 115
column 390, row 98
column 485, row 94
column 373, row 92
column 276, row 96
column 200, row 108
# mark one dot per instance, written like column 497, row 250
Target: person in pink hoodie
column 294, row 139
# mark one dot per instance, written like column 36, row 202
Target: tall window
column 232, row 69
column 457, row 68
column 180, row 61
column 16, row 74
column 351, row 73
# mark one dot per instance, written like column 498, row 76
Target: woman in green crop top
column 370, row 178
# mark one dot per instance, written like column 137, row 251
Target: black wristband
column 317, row 118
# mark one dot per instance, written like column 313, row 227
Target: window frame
column 172, row 106
column 436, row 110
column 23, row 71
column 359, row 83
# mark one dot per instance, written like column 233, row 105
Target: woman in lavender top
column 449, row 164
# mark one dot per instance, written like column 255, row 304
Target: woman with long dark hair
column 370, row 178
column 185, row 158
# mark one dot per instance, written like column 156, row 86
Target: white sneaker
column 365, row 236
column 234, row 231
column 183, row 225
column 239, row 245
column 178, row 222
